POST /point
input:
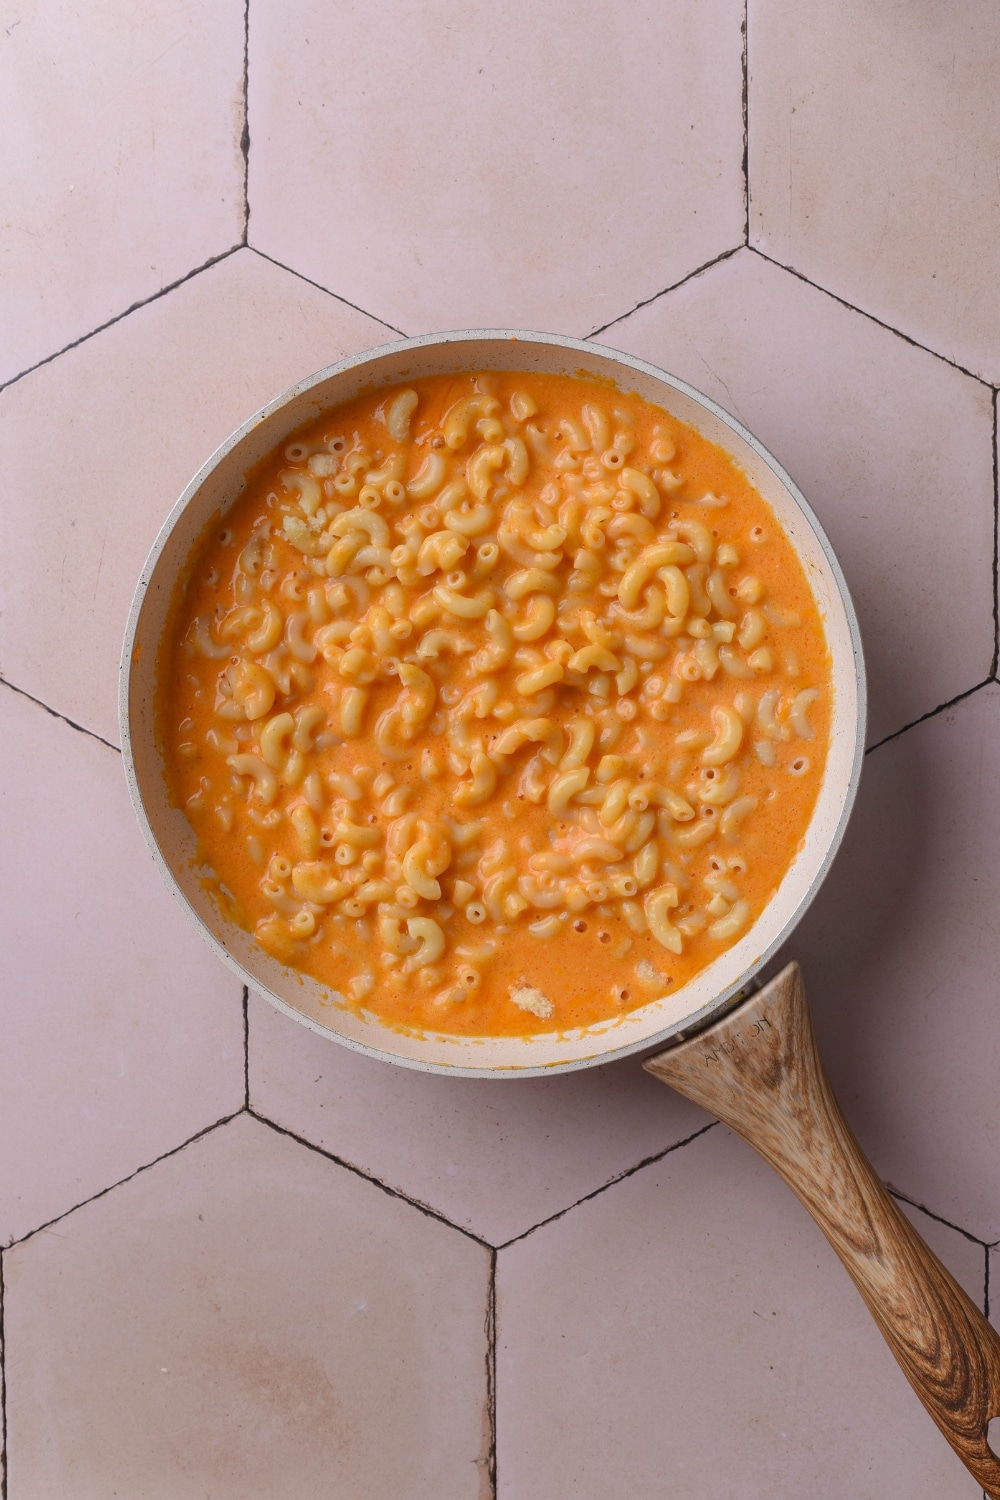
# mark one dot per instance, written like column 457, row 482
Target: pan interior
column 168, row 833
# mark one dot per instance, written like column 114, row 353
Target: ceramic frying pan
column 753, row 1061
column 219, row 484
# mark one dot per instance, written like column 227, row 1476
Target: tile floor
column 235, row 1260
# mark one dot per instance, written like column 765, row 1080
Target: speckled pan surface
column 218, row 485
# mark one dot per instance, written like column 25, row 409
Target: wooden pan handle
column 759, row 1071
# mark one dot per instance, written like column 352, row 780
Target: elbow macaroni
column 472, row 688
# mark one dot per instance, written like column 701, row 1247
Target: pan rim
column 724, row 999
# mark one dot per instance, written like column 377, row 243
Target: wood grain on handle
column 759, row 1071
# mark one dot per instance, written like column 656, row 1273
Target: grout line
column 746, row 124
column 245, row 133
column 391, row 1192
column 931, row 714
column 146, row 1167
column 996, row 542
column 936, row 1217
column 143, row 302
column 491, row 1376
column 309, row 281
column 986, row 1280
column 80, row 729
column 907, row 339
column 246, row 1047
column 716, row 260
column 647, row 1161
column 3, row 1391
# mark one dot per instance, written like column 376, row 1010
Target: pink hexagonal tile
column 459, row 166
column 901, row 953
column 495, row 1156
column 247, row 1320
column 98, row 445
column 122, row 169
column 122, row 1035
column 873, row 149
column 883, row 439
column 690, row 1333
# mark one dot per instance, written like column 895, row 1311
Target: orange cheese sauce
column 498, row 703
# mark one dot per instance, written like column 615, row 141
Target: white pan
column 220, row 482
column 751, row 1061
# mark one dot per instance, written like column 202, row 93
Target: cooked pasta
column 488, row 704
